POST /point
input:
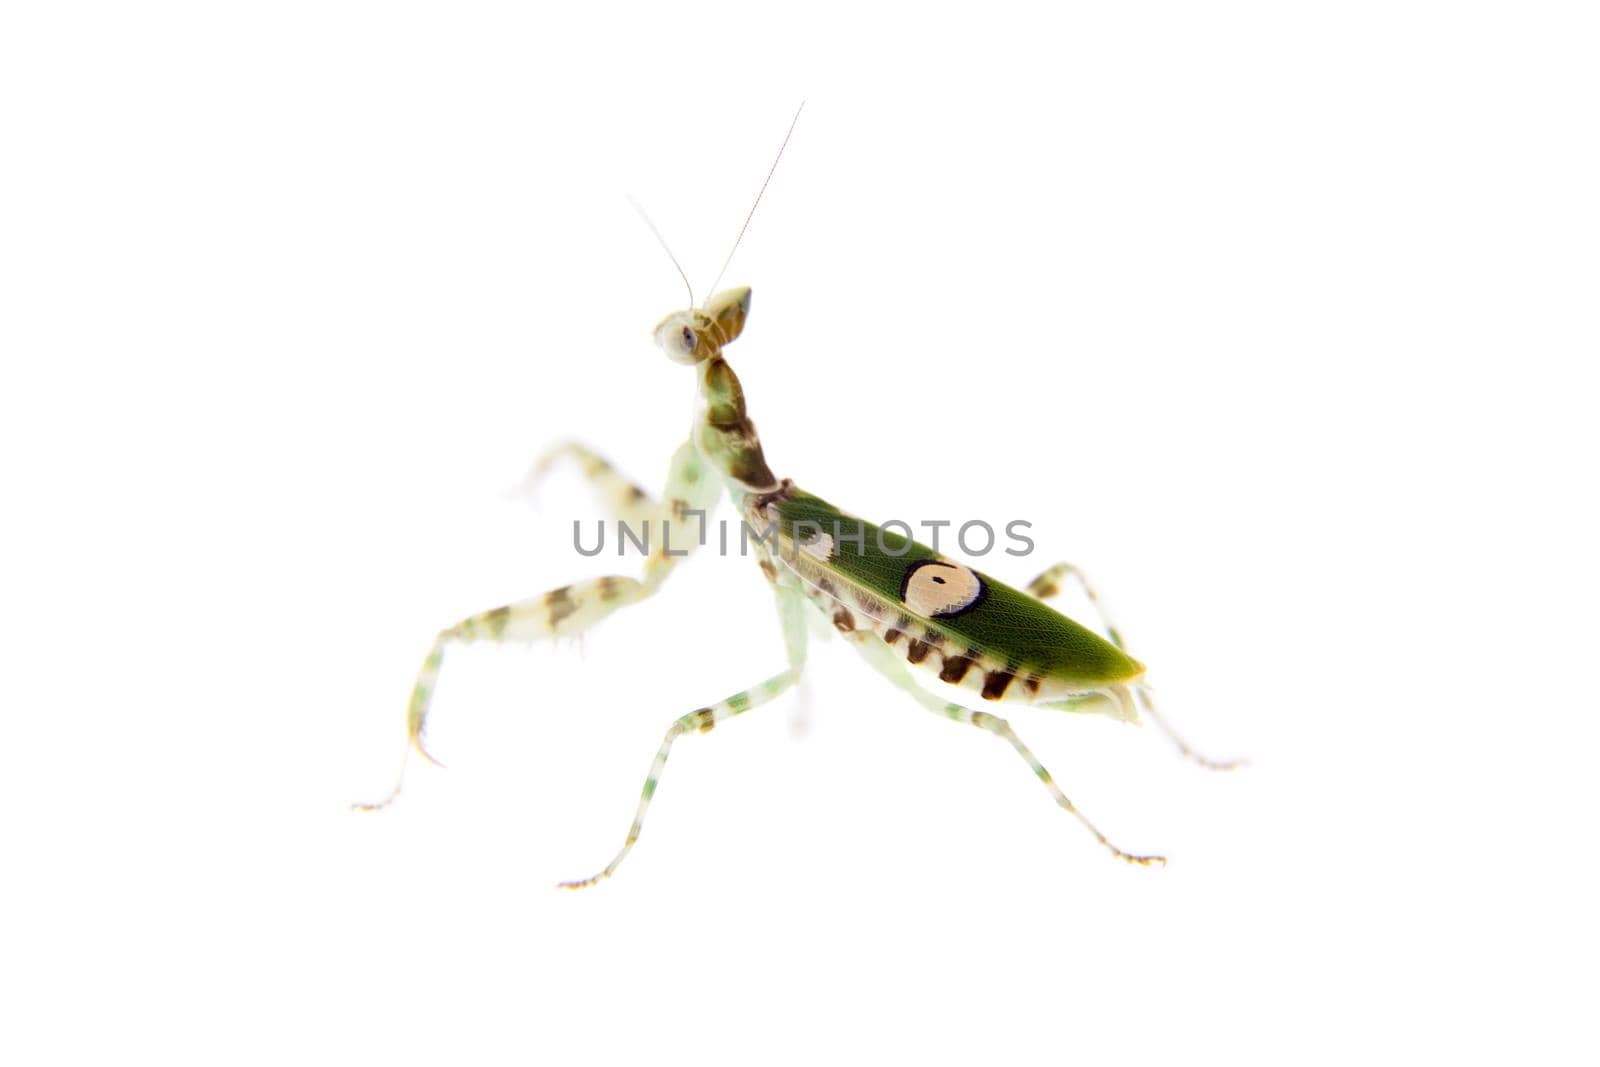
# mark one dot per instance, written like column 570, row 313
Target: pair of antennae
column 770, row 171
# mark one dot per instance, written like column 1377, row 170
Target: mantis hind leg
column 1048, row 584
column 888, row 663
column 571, row 609
column 701, row 720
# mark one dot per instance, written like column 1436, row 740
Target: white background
column 1278, row 319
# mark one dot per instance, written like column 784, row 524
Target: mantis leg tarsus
column 887, row 662
column 1177, row 739
column 377, row 805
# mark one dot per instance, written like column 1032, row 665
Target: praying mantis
column 902, row 606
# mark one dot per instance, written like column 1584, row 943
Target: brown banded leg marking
column 571, row 609
column 565, row 612
column 624, row 499
column 888, row 664
column 690, row 490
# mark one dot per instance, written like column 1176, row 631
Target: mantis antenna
column 664, row 247
column 770, row 171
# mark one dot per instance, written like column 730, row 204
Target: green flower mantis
column 904, row 607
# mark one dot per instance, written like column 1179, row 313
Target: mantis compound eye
column 679, row 339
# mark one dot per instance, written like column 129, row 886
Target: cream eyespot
column 938, row 589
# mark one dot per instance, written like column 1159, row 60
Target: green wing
column 1002, row 622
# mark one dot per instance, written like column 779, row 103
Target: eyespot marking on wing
column 938, row 589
